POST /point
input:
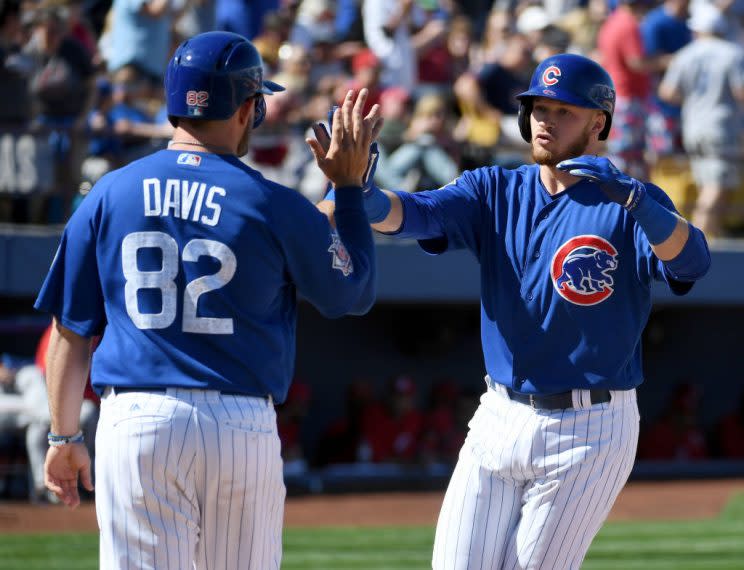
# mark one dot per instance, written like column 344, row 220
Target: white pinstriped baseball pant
column 531, row 487
column 188, row 479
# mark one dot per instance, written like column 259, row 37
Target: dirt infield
column 638, row 501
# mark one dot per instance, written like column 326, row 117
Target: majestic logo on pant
column 581, row 270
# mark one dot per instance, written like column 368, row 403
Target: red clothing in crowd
column 392, row 438
column 619, row 40
column 731, row 436
column 671, row 439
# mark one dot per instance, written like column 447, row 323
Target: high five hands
column 344, row 157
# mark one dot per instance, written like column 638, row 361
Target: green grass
column 716, row 544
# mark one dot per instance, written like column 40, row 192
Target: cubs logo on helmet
column 581, row 270
column 550, row 75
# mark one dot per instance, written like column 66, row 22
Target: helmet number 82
column 164, row 281
column 197, row 98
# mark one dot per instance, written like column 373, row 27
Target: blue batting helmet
column 214, row 73
column 573, row 79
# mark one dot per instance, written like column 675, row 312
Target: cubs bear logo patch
column 581, row 270
column 341, row 258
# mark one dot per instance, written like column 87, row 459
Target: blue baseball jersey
column 565, row 279
column 188, row 263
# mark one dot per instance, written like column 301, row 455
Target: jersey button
column 537, row 254
column 529, row 296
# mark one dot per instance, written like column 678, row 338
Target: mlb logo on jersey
column 189, row 159
column 341, row 259
column 581, row 269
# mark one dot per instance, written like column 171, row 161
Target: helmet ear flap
column 260, row 113
column 523, row 119
column 608, row 124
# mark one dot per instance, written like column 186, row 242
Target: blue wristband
column 55, row 440
column 655, row 220
column 693, row 261
column 377, row 205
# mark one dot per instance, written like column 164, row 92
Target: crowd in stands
column 85, row 77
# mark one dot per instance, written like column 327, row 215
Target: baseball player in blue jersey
column 188, row 262
column 568, row 249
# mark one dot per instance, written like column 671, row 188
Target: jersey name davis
column 185, row 199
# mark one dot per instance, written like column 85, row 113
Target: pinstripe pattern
column 189, row 479
column 532, row 488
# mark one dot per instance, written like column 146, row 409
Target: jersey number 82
column 164, row 281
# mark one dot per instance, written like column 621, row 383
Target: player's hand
column 324, row 139
column 346, row 157
column 618, row 187
column 63, row 465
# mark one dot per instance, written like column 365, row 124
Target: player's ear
column 598, row 122
column 245, row 111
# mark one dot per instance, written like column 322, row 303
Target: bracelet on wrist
column 57, row 440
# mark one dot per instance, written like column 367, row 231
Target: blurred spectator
column 78, row 25
column 366, row 69
column 554, row 40
column 195, row 17
column 443, row 435
column 392, row 430
column 556, row 9
column 129, row 115
column 24, row 408
column 327, row 61
column 395, row 107
column 294, row 69
column 120, row 123
column 289, row 418
column 62, row 90
column 315, row 22
column 583, row 24
column 707, row 78
column 387, row 31
column 477, row 11
column 61, row 83
column 488, row 103
column 622, row 54
column 140, row 35
column 427, row 159
column 103, row 143
column 348, row 21
column 730, row 433
column 342, row 442
column 664, row 31
column 434, row 58
column 14, row 68
column 677, row 433
column 275, row 33
column 733, row 13
column 531, row 22
column 244, row 17
column 498, row 28
column 274, row 150
column 460, row 43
